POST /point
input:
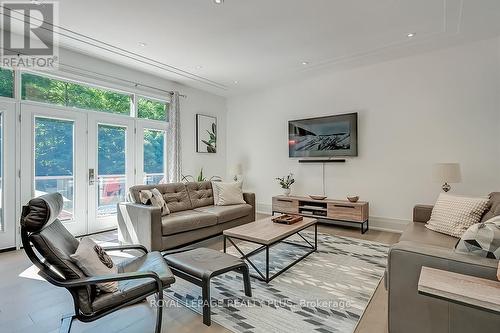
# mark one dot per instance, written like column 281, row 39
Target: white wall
column 413, row 112
column 197, row 101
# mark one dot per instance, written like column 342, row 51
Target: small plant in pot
column 286, row 183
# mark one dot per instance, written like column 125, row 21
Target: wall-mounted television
column 328, row 136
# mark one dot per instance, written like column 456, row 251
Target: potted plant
column 285, row 183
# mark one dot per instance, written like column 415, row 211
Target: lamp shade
column 236, row 169
column 447, row 173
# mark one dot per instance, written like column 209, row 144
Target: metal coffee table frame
column 265, row 247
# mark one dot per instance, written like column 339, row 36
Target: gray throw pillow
column 94, row 261
column 481, row 239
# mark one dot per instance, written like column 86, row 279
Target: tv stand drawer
column 285, row 205
column 347, row 212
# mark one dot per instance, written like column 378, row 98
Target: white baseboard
column 376, row 222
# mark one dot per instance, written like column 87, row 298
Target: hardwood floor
column 29, row 304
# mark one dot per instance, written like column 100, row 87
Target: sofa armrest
column 250, row 199
column 409, row 310
column 422, row 213
column 139, row 224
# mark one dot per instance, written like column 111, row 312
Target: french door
column 111, row 167
column 53, row 150
column 7, row 182
column 88, row 157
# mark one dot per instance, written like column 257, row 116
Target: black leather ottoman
column 199, row 265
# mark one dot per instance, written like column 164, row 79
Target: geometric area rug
column 327, row 291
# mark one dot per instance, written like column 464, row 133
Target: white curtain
column 174, row 141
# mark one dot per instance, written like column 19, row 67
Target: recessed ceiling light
column 411, row 34
column 142, row 44
column 305, row 63
column 219, row 2
column 35, row 2
column 236, row 81
column 198, row 67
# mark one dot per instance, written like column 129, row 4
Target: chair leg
column 66, row 323
column 246, row 280
column 159, row 312
column 205, row 295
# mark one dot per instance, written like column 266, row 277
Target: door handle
column 91, row 176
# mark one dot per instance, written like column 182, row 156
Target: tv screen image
column 324, row 136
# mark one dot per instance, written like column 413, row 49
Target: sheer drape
column 174, row 141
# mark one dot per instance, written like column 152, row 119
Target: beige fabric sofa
column 410, row 312
column 192, row 217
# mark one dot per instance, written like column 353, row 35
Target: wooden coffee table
column 267, row 233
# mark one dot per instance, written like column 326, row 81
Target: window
column 151, row 109
column 6, row 83
column 154, row 156
column 48, row 90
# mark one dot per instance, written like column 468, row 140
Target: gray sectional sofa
column 192, row 217
column 410, row 312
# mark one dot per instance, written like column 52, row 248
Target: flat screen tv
column 324, row 136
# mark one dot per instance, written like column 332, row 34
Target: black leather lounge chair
column 138, row 277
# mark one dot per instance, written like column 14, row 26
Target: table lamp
column 446, row 173
column 236, row 171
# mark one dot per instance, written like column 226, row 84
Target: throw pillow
column 154, row 198
column 94, row 261
column 453, row 215
column 227, row 193
column 482, row 239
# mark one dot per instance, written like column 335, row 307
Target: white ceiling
column 257, row 42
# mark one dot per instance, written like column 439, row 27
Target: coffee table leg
column 224, row 236
column 267, row 264
column 315, row 237
column 205, row 295
column 246, row 280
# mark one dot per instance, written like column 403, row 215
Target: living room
column 232, row 166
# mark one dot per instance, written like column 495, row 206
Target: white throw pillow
column 227, row 193
column 94, row 261
column 154, row 198
column 453, row 215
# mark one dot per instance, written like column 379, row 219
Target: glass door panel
column 50, row 163
column 111, row 167
column 7, row 176
column 54, row 161
column 153, row 156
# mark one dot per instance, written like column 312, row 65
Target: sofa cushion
column 186, row 220
column 200, row 193
column 418, row 233
column 227, row 213
column 130, row 289
column 494, row 209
